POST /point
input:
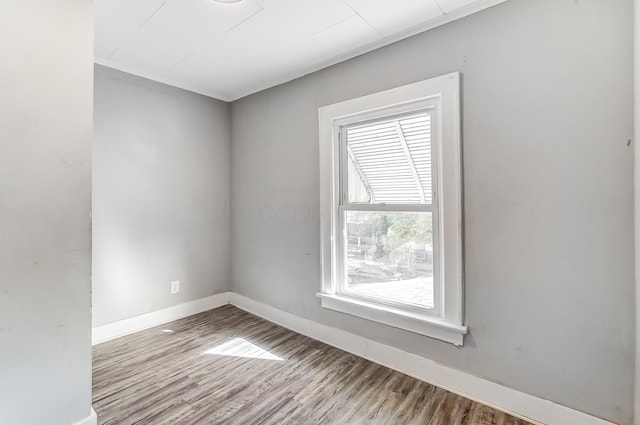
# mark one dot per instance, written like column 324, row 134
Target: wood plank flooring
column 226, row 366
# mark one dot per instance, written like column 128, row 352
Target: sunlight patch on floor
column 240, row 347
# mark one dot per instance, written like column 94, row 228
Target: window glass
column 389, row 256
column 389, row 161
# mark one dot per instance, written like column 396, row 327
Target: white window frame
column 442, row 95
column 430, row 106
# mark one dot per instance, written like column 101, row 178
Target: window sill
column 414, row 322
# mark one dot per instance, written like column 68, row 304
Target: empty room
column 319, row 212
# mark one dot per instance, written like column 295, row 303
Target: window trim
column 443, row 94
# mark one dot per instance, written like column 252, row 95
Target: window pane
column 389, row 161
column 389, row 255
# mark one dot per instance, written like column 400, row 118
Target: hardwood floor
column 226, row 366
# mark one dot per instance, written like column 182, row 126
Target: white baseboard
column 92, row 419
column 516, row 403
column 145, row 321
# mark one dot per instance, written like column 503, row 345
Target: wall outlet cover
column 175, row 287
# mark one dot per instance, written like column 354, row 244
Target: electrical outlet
column 175, row 287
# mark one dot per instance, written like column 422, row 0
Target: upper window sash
column 407, row 150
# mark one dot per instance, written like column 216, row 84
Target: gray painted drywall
column 547, row 114
column 636, row 180
column 46, row 101
column 161, row 170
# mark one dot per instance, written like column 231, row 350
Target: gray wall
column 161, row 169
column 636, row 197
column 46, row 101
column 547, row 113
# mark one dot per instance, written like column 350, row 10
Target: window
column 392, row 204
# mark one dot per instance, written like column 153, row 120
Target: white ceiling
column 231, row 50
